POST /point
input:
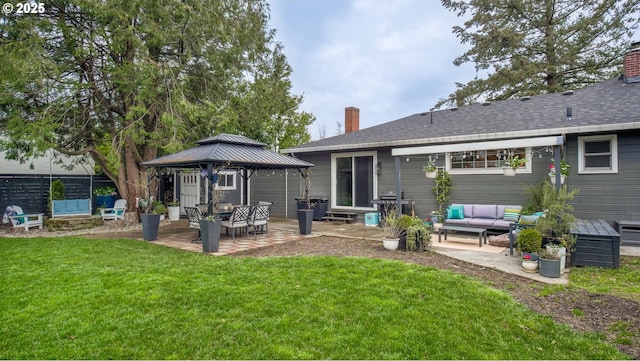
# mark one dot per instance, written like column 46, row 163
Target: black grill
column 388, row 202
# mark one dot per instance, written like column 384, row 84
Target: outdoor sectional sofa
column 490, row 216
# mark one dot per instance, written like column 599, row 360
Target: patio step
column 340, row 216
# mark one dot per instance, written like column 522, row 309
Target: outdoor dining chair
column 194, row 215
column 238, row 220
column 259, row 217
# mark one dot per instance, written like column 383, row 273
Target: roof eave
column 471, row 137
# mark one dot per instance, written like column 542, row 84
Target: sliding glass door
column 353, row 180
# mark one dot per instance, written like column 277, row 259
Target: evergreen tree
column 530, row 47
column 127, row 81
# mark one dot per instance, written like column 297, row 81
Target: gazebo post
column 211, row 188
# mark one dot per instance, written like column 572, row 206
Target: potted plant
column 415, row 234
column 564, row 171
column 512, row 164
column 549, row 264
column 441, row 190
column 430, row 169
column 436, row 219
column 210, row 233
column 210, row 226
column 159, row 208
column 150, row 220
column 105, row 196
column 173, row 208
column 528, row 264
column 305, row 213
column 558, row 218
column 529, row 242
column 391, row 231
column 564, row 246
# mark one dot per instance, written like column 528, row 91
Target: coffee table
column 482, row 232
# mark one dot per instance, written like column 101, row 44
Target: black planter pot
column 402, row 245
column 549, row 267
column 150, row 225
column 305, row 220
column 210, row 234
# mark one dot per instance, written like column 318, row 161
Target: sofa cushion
column 483, row 222
column 501, row 224
column 468, row 210
column 458, row 221
column 83, row 206
column 455, row 212
column 484, row 211
column 512, row 213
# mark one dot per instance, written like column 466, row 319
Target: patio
column 178, row 235
column 460, row 246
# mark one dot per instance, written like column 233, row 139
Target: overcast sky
column 389, row 58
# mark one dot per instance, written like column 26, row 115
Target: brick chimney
column 351, row 119
column 631, row 64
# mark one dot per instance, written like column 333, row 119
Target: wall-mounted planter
column 431, row 175
column 553, row 178
column 509, row 171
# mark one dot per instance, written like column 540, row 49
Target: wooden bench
column 482, row 232
column 340, row 216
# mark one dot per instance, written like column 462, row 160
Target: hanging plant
column 430, row 169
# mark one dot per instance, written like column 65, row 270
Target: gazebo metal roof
column 227, row 151
column 232, row 151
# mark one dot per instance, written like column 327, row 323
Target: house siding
column 269, row 188
column 614, row 196
column 608, row 196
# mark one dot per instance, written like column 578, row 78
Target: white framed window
column 226, row 180
column 598, row 154
column 489, row 161
column 353, row 180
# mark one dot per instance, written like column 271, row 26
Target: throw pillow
column 529, row 219
column 511, row 214
column 455, row 212
column 19, row 219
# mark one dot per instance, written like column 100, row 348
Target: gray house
column 596, row 129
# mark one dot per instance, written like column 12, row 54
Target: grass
column 622, row 282
column 75, row 298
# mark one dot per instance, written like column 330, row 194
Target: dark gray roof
column 235, row 150
column 610, row 105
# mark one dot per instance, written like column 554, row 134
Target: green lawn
column 74, row 298
column 621, row 282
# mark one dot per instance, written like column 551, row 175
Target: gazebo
column 227, row 151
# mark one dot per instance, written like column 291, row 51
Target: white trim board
column 496, row 144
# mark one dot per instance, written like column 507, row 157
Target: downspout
column 556, row 163
column 398, row 187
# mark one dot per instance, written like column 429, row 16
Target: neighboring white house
column 53, row 163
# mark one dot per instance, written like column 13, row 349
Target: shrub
column 57, row 189
column 529, row 240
